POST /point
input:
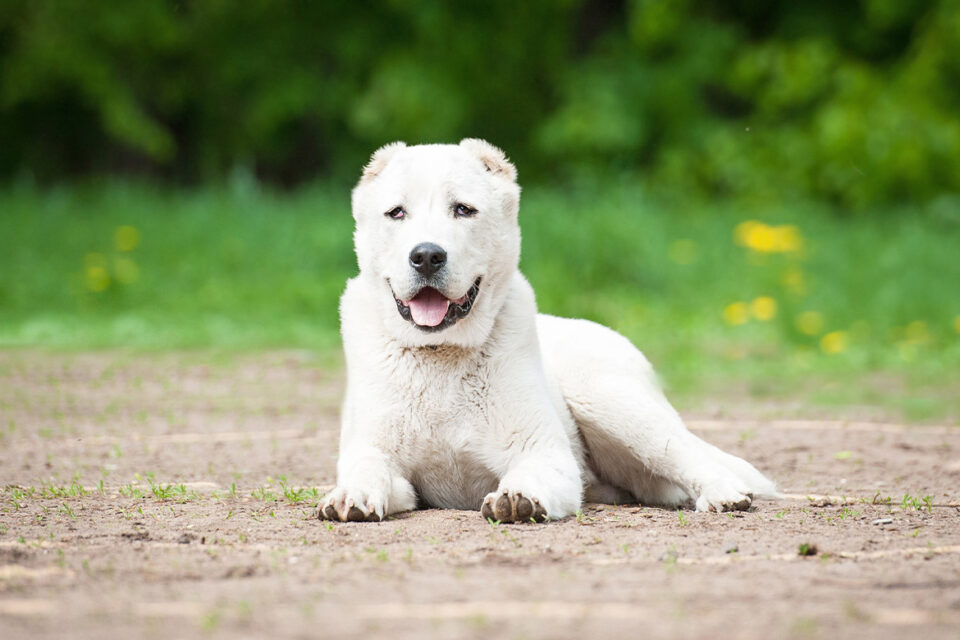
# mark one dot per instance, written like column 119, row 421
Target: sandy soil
column 170, row 496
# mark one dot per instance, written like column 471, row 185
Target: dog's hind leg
column 634, row 438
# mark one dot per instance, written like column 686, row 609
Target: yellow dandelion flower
column 809, row 323
column 736, row 313
column 126, row 238
column 762, row 238
column 741, row 233
column 763, row 308
column 765, row 238
column 834, row 342
column 683, row 251
column 787, row 239
column 97, row 279
column 126, row 270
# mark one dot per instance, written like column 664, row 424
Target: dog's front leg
column 528, row 446
column 540, row 476
column 367, row 488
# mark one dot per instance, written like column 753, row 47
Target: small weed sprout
column 130, row 491
column 847, row 512
column 916, row 503
column 73, row 490
column 18, row 497
column 263, row 494
column 296, row 495
column 670, row 557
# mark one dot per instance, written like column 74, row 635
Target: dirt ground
column 163, row 496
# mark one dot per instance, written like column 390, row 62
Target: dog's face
column 437, row 238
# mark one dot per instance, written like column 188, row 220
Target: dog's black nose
column 427, row 258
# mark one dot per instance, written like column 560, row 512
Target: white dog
column 459, row 395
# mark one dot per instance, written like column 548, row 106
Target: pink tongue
column 428, row 308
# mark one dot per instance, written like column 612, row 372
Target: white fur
column 505, row 400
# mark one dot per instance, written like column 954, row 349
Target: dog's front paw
column 724, row 495
column 512, row 506
column 348, row 505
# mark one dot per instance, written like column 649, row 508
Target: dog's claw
column 340, row 506
column 724, row 495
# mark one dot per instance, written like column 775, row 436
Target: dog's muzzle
column 430, row 310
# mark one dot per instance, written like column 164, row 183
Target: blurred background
column 765, row 197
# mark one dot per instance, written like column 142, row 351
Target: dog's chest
column 443, row 431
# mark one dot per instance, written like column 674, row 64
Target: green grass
column 219, row 268
column 244, row 268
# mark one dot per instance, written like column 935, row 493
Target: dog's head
column 437, row 238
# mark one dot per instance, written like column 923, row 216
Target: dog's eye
column 396, row 213
column 463, row 210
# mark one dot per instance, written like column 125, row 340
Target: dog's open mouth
column 430, row 310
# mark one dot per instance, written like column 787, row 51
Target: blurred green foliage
column 851, row 102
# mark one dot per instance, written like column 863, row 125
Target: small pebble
column 883, row 521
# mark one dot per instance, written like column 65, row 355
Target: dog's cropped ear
column 492, row 158
column 379, row 159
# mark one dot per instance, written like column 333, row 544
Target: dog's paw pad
column 512, row 506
